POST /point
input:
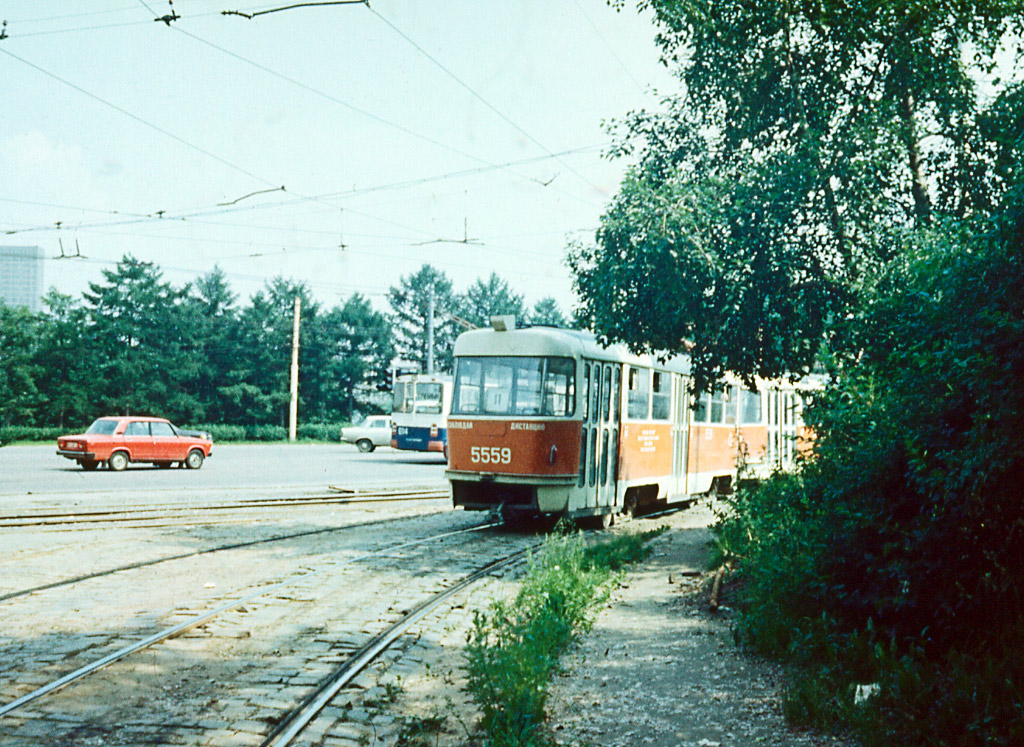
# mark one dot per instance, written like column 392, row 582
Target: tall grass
column 514, row 646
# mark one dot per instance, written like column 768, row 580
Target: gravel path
column 659, row 669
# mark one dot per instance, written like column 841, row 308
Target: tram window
column 593, row 457
column 750, row 407
column 606, row 399
column 614, row 456
column 604, row 457
column 700, row 413
column 639, row 393
column 583, row 460
column 586, row 391
column 559, row 386
column 730, row 401
column 617, row 394
column 468, row 386
column 661, row 396
column 526, row 400
column 514, row 386
column 595, row 395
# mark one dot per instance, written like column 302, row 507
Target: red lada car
column 120, row 440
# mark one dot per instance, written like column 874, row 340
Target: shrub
column 514, row 646
column 10, row 433
column 894, row 556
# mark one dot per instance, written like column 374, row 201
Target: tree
column 257, row 389
column 360, row 353
column 410, row 301
column 807, row 141
column 546, row 311
column 147, row 363
column 212, row 318
column 493, row 297
column 68, row 359
column 18, row 393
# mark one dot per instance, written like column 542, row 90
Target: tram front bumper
column 482, row 491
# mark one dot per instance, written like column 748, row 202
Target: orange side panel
column 514, row 447
column 645, row 451
column 713, row 448
column 754, row 438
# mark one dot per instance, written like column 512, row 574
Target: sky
column 343, row 146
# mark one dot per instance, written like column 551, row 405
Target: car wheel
column 365, row 445
column 89, row 464
column 194, row 460
column 118, row 461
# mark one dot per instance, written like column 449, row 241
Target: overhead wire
column 480, row 98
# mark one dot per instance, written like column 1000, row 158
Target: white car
column 373, row 431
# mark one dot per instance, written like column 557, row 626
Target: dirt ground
column 657, row 669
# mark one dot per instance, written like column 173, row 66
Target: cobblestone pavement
column 230, row 680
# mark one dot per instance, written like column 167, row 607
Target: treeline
column 134, row 343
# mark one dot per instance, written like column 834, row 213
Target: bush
column 894, row 556
column 10, row 433
column 515, row 646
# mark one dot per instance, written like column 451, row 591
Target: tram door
column 680, row 434
column 781, row 421
column 599, row 452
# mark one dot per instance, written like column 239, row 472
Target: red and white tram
column 547, row 421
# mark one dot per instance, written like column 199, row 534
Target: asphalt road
column 35, row 475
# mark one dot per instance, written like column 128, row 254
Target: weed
column 514, row 646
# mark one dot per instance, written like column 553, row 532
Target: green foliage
column 772, row 190
column 515, row 645
column 14, row 433
column 894, row 557
column 134, row 344
column 410, row 304
column 18, row 371
column 546, row 311
column 493, row 297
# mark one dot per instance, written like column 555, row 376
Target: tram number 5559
column 490, row 455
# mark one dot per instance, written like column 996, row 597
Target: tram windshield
column 492, row 385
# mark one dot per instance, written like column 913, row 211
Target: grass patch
column 514, row 646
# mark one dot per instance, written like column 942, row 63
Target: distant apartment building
column 21, row 276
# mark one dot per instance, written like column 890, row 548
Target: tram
column 419, row 413
column 545, row 421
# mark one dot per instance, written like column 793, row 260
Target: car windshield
column 103, row 427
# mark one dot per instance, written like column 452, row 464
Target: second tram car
column 419, row 415
column 547, row 421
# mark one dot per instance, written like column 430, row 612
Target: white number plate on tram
column 490, row 455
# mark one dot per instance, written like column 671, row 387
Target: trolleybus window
column 639, row 392
column 428, row 398
column 514, row 386
column 661, row 396
column 403, row 398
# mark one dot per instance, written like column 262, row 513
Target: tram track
column 197, row 553
column 136, row 515
column 238, row 602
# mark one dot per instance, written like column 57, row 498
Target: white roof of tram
column 556, row 342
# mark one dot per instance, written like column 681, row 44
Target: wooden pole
column 293, row 405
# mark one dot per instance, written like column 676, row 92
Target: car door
column 168, row 446
column 138, row 440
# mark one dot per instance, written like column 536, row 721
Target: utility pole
column 293, row 405
column 430, row 331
